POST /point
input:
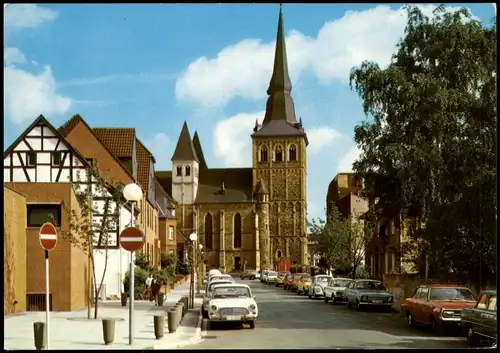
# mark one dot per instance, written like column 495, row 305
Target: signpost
column 131, row 239
column 48, row 241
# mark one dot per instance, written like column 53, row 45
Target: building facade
column 248, row 217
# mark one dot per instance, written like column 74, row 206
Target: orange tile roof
column 119, row 140
column 143, row 164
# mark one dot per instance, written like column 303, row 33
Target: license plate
column 377, row 301
column 233, row 318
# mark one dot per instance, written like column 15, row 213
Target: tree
column 341, row 240
column 89, row 232
column 428, row 145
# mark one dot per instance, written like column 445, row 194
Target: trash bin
column 39, row 332
column 108, row 330
column 159, row 322
column 173, row 318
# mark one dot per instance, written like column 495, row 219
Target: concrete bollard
column 173, row 319
column 181, row 310
column 159, row 322
column 108, row 330
column 205, row 324
column 185, row 300
column 39, row 332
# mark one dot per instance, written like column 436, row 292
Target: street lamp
column 200, row 273
column 193, row 237
column 132, row 193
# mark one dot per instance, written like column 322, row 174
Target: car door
column 348, row 291
column 424, row 307
column 412, row 302
column 328, row 287
column 479, row 313
column 489, row 318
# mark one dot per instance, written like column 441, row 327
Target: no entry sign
column 131, row 239
column 48, row 236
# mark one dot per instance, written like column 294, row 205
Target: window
column 263, row 154
column 208, row 232
column 237, row 231
column 492, row 303
column 423, row 293
column 292, row 153
column 417, row 293
column 171, row 231
column 188, row 170
column 31, row 159
column 278, row 154
column 179, row 171
column 39, row 214
column 56, row 158
column 481, row 303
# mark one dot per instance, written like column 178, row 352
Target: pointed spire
column 280, row 104
column 199, row 151
column 184, row 151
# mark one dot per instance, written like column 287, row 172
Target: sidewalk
column 72, row 330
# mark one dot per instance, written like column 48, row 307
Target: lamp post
column 132, row 193
column 193, row 237
column 199, row 275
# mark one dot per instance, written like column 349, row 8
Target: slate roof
column 237, row 184
column 165, row 205
column 184, row 151
column 199, row 151
column 165, row 180
column 119, row 140
column 278, row 128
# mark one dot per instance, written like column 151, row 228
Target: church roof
column 231, row 185
column 184, row 151
column 199, row 151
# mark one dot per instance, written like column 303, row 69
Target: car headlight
column 214, row 308
column 447, row 313
column 391, row 299
column 364, row 298
column 252, row 307
column 317, row 289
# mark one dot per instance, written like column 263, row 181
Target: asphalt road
column 287, row 320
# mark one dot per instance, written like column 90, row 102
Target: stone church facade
column 248, row 217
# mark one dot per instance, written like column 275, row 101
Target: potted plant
column 124, row 298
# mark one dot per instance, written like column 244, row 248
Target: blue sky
column 153, row 66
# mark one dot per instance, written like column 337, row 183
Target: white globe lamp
column 193, row 237
column 132, row 192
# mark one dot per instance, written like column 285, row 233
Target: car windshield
column 272, row 273
column 322, row 279
column 451, row 294
column 340, row 282
column 224, row 278
column 231, row 292
column 212, row 285
column 370, row 285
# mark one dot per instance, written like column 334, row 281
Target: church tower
column 279, row 163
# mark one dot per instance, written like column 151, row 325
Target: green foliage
column 169, row 263
column 140, row 276
column 142, row 262
column 428, row 145
column 183, row 268
column 163, row 276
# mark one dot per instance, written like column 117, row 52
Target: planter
column 180, row 306
column 173, row 319
column 185, row 300
column 108, row 330
column 124, row 298
column 39, row 332
column 159, row 322
column 159, row 298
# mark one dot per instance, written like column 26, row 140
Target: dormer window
column 292, row 153
column 278, row 153
column 179, row 171
column 263, row 154
column 188, row 170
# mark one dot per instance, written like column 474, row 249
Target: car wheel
column 349, row 305
column 334, row 301
column 411, row 321
column 252, row 324
column 435, row 326
column 315, row 297
column 472, row 337
column 358, row 305
column 325, row 299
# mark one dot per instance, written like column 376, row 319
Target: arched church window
column 179, row 171
column 237, row 231
column 188, row 170
column 208, row 232
column 278, row 153
column 292, row 153
column 263, row 154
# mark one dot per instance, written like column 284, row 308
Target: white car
column 263, row 276
column 221, row 277
column 318, row 283
column 334, row 290
column 232, row 303
column 208, row 293
column 272, row 277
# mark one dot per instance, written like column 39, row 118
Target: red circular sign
column 48, row 236
column 131, row 239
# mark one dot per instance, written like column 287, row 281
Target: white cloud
column 321, row 137
column 159, row 145
column 28, row 95
column 494, row 7
column 20, row 16
column 244, row 69
column 232, row 142
column 13, row 56
column 345, row 164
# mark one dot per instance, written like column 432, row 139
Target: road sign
column 131, row 239
column 48, row 236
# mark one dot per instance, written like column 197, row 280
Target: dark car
column 480, row 322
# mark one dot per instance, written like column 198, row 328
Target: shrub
column 140, row 276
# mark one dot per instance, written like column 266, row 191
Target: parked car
column 221, row 277
column 334, row 289
column 246, row 274
column 232, row 303
column 208, row 293
column 272, row 277
column 281, row 277
column 367, row 292
column 287, row 280
column 295, row 280
column 437, row 305
column 303, row 284
column 263, row 275
column 318, row 284
column 255, row 275
column 480, row 322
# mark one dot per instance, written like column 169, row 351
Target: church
column 248, row 217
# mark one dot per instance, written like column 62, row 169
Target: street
column 287, row 320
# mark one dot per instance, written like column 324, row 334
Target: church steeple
column 185, row 151
column 280, row 104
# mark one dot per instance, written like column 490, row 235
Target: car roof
column 241, row 285
column 345, row 279
column 489, row 291
column 323, row 276
column 365, row 280
column 439, row 285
